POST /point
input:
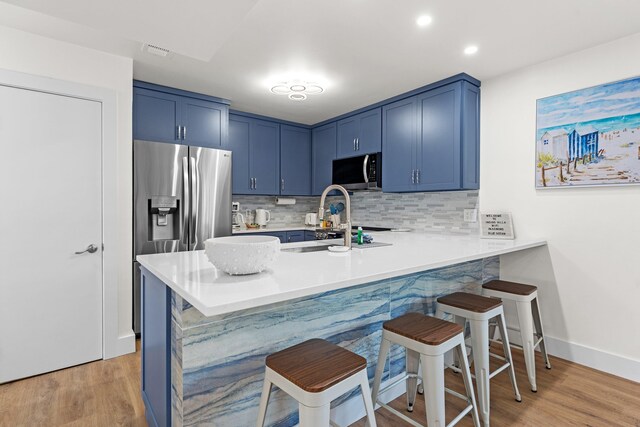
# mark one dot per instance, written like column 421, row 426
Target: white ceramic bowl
column 242, row 254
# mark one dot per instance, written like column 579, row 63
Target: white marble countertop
column 296, row 275
column 268, row 229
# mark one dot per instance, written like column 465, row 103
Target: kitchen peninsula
column 206, row 334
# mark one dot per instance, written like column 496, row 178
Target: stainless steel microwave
column 359, row 173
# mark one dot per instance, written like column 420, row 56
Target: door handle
column 195, row 187
column 354, row 144
column 357, row 144
column 186, row 205
column 255, row 183
column 184, row 132
column 91, row 249
column 282, row 184
column 417, row 176
column 365, row 169
column 413, row 176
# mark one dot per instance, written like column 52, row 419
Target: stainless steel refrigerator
column 181, row 197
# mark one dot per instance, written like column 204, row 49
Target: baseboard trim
column 124, row 345
column 597, row 359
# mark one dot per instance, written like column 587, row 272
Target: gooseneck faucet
column 346, row 227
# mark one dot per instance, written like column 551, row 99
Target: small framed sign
column 496, row 225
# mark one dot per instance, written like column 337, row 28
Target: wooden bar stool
column 426, row 340
column 525, row 298
column 478, row 310
column 314, row 373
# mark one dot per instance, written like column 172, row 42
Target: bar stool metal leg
column 382, row 361
column 433, row 372
column 526, row 332
column 413, row 364
column 480, row 344
column 314, row 416
column 264, row 400
column 468, row 384
column 502, row 325
column 368, row 404
column 535, row 311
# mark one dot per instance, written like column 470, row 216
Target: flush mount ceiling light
column 423, row 20
column 297, row 90
column 470, row 50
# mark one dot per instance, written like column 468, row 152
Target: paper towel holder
column 285, row 201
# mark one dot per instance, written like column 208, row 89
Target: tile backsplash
column 434, row 212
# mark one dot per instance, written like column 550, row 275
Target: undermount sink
column 302, row 249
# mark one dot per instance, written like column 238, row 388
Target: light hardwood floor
column 107, row 393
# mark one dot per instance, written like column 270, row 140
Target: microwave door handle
column 185, row 201
column 365, row 169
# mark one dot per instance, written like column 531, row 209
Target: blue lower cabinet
column 309, row 235
column 156, row 350
column 295, row 236
column 282, row 235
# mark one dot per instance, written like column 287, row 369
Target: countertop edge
column 333, row 286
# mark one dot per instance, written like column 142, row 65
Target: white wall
column 29, row 53
column 589, row 276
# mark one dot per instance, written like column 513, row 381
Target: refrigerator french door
column 181, row 197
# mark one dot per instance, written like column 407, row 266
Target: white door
column 50, row 208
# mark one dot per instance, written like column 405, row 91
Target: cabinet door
column 155, row 116
column 309, row 235
column 347, row 133
column 295, row 161
column 205, row 123
column 439, row 147
column 400, row 135
column 324, row 152
column 282, row 235
column 238, row 143
column 264, row 157
column 370, row 134
column 295, row 236
column 470, row 143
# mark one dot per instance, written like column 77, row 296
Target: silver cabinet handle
column 178, row 132
column 250, row 183
column 413, row 176
column 354, row 144
column 91, row 249
column 282, row 184
column 357, row 144
column 417, row 176
column 184, row 132
column 255, row 183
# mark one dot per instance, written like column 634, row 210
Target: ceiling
column 362, row 51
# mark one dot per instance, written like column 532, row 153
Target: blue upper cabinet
column 323, row 153
column 156, row 116
column 360, row 134
column 171, row 115
column 264, row 157
column 204, row 123
column 470, row 136
column 295, row 161
column 256, row 155
column 438, row 155
column 400, row 139
column 431, row 140
column 239, row 130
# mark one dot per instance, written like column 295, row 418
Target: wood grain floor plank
column 107, row 393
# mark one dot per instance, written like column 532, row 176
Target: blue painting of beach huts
column 589, row 136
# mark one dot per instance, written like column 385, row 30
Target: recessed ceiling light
column 423, row 20
column 470, row 50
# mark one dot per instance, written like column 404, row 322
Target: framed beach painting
column 589, row 137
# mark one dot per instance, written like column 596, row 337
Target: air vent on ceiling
column 155, row 50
